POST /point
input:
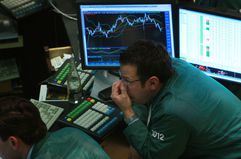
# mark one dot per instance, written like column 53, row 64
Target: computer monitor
column 8, row 28
column 106, row 28
column 210, row 40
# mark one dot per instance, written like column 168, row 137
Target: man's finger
column 115, row 88
column 123, row 89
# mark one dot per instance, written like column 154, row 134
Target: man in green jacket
column 173, row 110
column 23, row 135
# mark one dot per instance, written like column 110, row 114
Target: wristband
column 131, row 120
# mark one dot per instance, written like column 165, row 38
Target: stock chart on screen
column 107, row 30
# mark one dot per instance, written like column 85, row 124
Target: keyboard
column 94, row 117
column 49, row 113
column 60, row 77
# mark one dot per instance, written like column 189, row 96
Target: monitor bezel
column 207, row 10
column 117, row 2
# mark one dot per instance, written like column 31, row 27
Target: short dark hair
column 150, row 58
column 19, row 117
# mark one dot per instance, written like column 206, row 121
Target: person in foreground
column 23, row 135
column 173, row 110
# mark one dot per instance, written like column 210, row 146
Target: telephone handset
column 21, row 8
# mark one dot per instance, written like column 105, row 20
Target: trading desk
column 113, row 142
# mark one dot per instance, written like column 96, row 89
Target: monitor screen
column 211, row 41
column 105, row 30
column 8, row 29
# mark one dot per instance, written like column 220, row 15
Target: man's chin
column 134, row 100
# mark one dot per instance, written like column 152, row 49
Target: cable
column 60, row 12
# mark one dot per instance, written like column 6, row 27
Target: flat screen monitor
column 108, row 28
column 211, row 41
column 8, row 29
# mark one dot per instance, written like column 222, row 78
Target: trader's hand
column 121, row 98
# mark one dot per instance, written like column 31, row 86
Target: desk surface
column 116, row 145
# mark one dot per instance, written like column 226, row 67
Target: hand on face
column 120, row 97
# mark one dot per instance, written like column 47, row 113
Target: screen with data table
column 210, row 40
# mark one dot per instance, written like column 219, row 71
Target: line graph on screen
column 108, row 28
column 122, row 23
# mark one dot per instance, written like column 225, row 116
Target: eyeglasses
column 128, row 82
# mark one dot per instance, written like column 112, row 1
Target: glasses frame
column 128, row 82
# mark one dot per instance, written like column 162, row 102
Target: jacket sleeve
column 166, row 138
column 141, row 111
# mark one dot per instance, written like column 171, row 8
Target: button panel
column 94, row 116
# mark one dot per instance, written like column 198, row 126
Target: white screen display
column 212, row 43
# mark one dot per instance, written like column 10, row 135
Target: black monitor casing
column 105, row 2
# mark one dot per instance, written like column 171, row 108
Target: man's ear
column 13, row 142
column 154, row 83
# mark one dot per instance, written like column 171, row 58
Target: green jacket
column 68, row 143
column 193, row 116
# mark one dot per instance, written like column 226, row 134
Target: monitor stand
column 102, row 85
